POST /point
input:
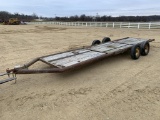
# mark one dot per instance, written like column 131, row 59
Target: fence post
column 138, row 25
column 121, row 25
column 113, row 24
column 106, row 24
column 129, row 25
column 149, row 25
column 86, row 23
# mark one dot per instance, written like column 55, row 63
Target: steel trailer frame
column 76, row 58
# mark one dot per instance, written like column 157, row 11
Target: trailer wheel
column 145, row 47
column 106, row 39
column 96, row 42
column 135, row 52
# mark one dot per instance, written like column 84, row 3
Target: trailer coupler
column 11, row 77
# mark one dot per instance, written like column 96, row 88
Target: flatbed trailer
column 73, row 59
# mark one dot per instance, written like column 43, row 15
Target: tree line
column 110, row 18
column 4, row 15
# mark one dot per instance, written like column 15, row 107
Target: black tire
column 96, row 42
column 145, row 47
column 135, row 52
column 106, row 39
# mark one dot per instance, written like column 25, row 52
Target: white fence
column 144, row 25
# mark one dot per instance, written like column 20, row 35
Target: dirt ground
column 116, row 88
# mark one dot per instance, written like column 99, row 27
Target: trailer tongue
column 69, row 60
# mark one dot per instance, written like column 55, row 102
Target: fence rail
column 145, row 25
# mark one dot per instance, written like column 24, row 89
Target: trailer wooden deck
column 70, row 58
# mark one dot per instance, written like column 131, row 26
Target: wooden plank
column 65, row 62
column 119, row 50
column 63, row 55
column 107, row 47
column 131, row 41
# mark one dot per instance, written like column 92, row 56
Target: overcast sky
column 50, row 8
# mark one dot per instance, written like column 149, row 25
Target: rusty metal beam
column 60, row 70
column 31, row 62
